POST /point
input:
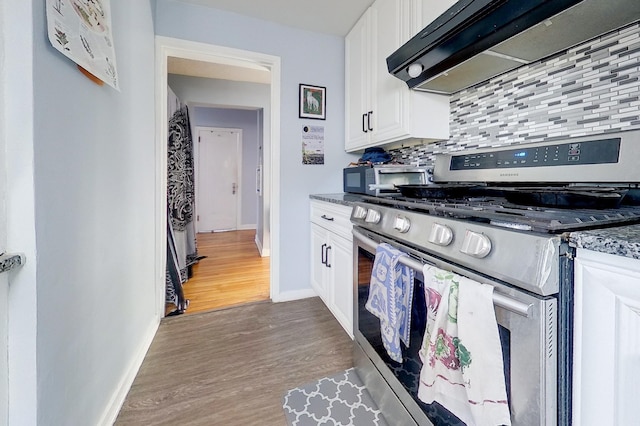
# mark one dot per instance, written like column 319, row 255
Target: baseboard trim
column 117, row 399
column 288, row 296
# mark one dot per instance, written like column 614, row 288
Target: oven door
column 527, row 326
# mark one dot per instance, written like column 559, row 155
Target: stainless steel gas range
column 499, row 216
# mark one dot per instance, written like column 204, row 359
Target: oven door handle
column 499, row 300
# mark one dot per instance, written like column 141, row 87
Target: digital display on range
column 600, row 151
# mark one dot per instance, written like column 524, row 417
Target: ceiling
column 330, row 17
column 220, row 71
column 333, row 17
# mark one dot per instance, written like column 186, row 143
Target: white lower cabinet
column 332, row 259
column 606, row 367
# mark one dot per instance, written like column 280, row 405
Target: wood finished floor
column 233, row 366
column 232, row 273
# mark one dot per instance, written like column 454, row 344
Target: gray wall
column 94, row 161
column 308, row 58
column 592, row 88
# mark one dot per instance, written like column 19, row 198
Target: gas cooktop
column 497, row 211
column 551, row 187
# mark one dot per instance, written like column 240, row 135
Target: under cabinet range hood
column 475, row 40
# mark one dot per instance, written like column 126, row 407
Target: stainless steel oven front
column 527, row 324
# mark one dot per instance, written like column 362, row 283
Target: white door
column 218, row 190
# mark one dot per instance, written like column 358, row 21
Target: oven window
column 505, row 341
column 408, row 372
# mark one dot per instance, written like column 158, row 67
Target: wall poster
column 81, row 30
column 313, row 145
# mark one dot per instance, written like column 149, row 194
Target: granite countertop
column 345, row 199
column 621, row 241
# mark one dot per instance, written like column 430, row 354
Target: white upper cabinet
column 380, row 108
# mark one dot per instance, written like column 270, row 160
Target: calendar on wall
column 81, row 30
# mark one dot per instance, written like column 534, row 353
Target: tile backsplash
column 591, row 88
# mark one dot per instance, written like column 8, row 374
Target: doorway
column 218, row 179
column 269, row 208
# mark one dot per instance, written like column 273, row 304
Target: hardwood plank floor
column 233, row 366
column 232, row 273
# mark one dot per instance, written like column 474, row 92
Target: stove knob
column 440, row 235
column 359, row 212
column 373, row 216
column 401, row 224
column 476, row 244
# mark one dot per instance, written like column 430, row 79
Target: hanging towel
column 461, row 350
column 390, row 297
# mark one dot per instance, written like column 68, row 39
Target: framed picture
column 313, row 102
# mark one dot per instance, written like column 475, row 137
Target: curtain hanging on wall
column 182, row 251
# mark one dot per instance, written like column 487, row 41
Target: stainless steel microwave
column 380, row 180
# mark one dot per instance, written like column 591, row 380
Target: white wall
column 94, row 177
column 309, row 58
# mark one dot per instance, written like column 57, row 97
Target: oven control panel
column 599, row 159
column 603, row 151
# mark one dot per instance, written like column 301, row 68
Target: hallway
column 233, row 366
column 231, row 274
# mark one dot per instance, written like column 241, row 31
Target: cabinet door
column 341, row 293
column 357, row 84
column 319, row 242
column 606, row 380
column 389, row 23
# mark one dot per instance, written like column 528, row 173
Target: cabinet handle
column 323, row 254
column 325, row 217
column 326, row 262
column 364, row 128
column 369, row 114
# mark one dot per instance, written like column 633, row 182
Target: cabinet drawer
column 334, row 217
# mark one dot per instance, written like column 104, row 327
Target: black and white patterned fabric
column 182, row 251
column 339, row 400
column 180, row 170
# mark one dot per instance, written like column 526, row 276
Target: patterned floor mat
column 339, row 400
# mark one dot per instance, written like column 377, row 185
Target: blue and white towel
column 390, row 297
